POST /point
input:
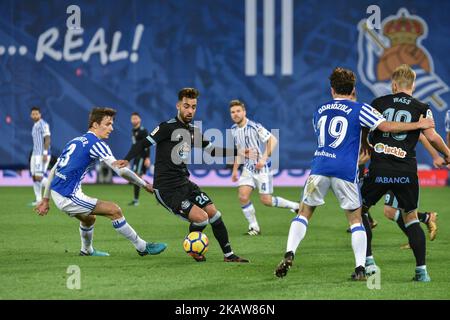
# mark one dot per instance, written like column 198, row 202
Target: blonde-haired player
column 255, row 173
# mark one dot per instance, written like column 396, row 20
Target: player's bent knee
column 243, row 199
column 117, row 212
column 90, row 220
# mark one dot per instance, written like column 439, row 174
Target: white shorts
column 37, row 167
column 316, row 188
column 264, row 181
column 78, row 204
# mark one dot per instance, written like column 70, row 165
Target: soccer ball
column 196, row 243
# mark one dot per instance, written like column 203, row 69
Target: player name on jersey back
column 337, row 106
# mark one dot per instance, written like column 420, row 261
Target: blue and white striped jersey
column 447, row 121
column 338, row 125
column 251, row 135
column 77, row 158
column 40, row 130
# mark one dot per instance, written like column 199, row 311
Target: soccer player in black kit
column 142, row 162
column 393, row 165
column 174, row 140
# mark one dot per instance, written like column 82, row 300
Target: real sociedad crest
column 399, row 41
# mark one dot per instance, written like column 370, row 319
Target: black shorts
column 180, row 200
column 138, row 166
column 403, row 186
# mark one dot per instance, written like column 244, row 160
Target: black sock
column 366, row 223
column 136, row 192
column 423, row 217
column 221, row 234
column 416, row 238
column 370, row 217
column 401, row 224
column 194, row 227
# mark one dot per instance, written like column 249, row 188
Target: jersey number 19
column 337, row 129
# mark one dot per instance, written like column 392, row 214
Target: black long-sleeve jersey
column 174, row 141
column 396, row 152
column 139, row 134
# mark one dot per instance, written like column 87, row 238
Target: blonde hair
column 404, row 76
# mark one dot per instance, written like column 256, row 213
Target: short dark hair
column 343, row 81
column 190, row 93
column 35, row 109
column 135, row 114
column 236, row 102
column 97, row 114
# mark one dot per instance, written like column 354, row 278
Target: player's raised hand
column 120, row 163
column 148, row 187
column 42, row 207
column 425, row 123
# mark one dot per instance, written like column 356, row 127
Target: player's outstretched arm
column 43, row 207
column 396, row 127
column 270, row 146
column 438, row 161
column 127, row 174
column 235, row 173
column 438, row 143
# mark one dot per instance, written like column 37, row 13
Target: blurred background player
column 338, row 125
column 40, row 157
column 142, row 162
column 393, row 165
column 174, row 140
column 76, row 159
column 255, row 173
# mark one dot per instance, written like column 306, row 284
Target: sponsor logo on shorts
column 185, row 204
column 396, row 180
column 394, row 151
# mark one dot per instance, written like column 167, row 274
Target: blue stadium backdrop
column 274, row 55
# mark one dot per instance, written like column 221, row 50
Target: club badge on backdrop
column 399, row 41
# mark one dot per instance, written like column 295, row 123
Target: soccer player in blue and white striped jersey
column 255, row 173
column 40, row 157
column 338, row 126
column 76, row 159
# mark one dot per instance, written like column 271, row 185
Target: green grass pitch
column 35, row 253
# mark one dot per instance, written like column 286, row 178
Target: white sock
column 297, row 232
column 359, row 243
column 283, row 203
column 249, row 213
column 37, row 190
column 128, row 232
column 86, row 234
